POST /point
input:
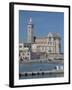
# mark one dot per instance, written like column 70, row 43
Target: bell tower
column 30, row 31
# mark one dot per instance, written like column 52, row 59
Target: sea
column 39, row 66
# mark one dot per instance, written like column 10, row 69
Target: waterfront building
column 24, row 52
column 48, row 47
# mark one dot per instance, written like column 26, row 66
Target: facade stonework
column 49, row 44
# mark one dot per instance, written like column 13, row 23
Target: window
column 20, row 46
column 45, row 48
column 29, row 26
column 23, row 54
column 50, row 42
column 49, row 50
column 28, row 53
column 42, row 48
column 49, row 38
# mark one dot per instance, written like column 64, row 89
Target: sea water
column 38, row 66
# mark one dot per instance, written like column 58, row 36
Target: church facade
column 48, row 44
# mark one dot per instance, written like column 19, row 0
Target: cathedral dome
column 56, row 35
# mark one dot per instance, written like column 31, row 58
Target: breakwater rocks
column 41, row 73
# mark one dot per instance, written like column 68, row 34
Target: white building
column 24, row 52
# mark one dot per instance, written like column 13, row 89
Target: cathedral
column 41, row 47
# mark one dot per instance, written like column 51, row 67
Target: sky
column 44, row 22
